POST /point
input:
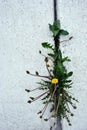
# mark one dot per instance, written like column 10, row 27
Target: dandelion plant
column 55, row 85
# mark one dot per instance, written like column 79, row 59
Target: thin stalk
column 40, row 76
column 48, row 70
column 40, row 96
column 35, row 89
column 44, row 109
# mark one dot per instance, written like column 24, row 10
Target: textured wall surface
column 73, row 15
column 23, row 26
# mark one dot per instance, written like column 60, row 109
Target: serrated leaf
column 67, row 86
column 63, row 32
column 41, row 83
column 44, row 102
column 61, row 67
column 68, row 81
column 47, row 45
column 66, row 59
column 47, row 96
column 51, row 55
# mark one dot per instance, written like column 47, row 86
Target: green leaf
column 57, row 23
column 47, row 45
column 68, row 81
column 55, row 33
column 54, row 30
column 51, row 55
column 51, row 27
column 67, row 86
column 70, row 74
column 40, row 83
column 61, row 67
column 60, row 55
column 47, row 96
column 63, row 32
column 45, row 102
column 43, row 88
column 66, row 59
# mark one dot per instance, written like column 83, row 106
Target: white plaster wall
column 23, row 26
column 73, row 15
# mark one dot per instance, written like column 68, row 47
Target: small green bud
column 68, row 120
column 46, row 59
column 32, row 98
column 39, row 112
column 29, row 101
column 27, row 90
column 72, row 114
column 74, row 107
column 27, row 72
column 40, row 51
column 70, row 124
column 47, row 65
column 37, row 73
column 51, row 128
column 46, row 119
column 70, row 37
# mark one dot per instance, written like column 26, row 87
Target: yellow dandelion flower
column 54, row 81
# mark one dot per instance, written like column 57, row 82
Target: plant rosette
column 56, row 84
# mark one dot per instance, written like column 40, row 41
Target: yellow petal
column 54, row 81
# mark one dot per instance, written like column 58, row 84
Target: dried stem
column 59, row 99
column 48, row 70
column 44, row 109
column 35, row 89
column 40, row 96
column 40, row 76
